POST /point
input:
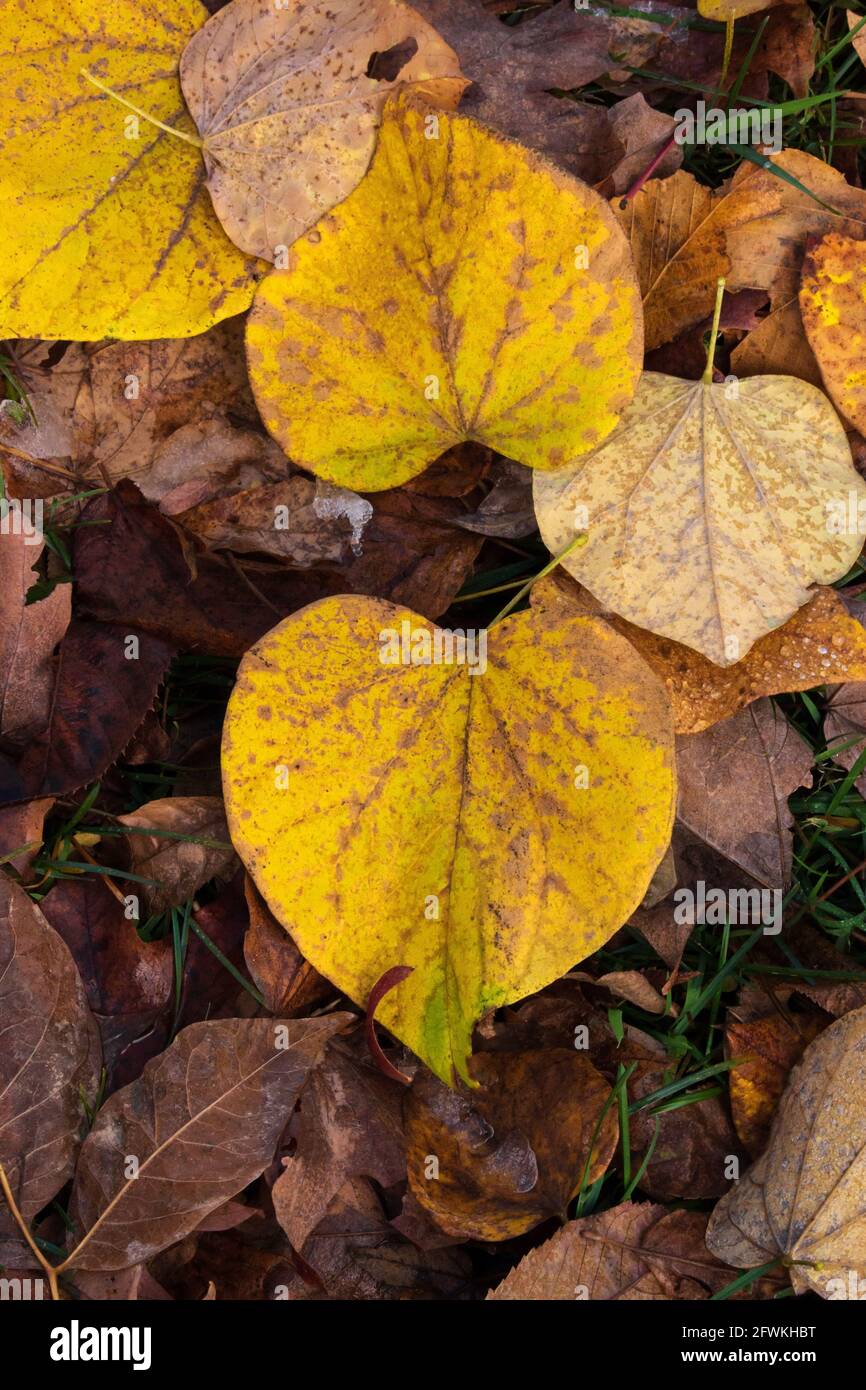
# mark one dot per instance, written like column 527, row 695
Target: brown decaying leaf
column 99, row 699
column 769, row 1048
column 411, row 551
column 260, row 79
column 350, row 1125
column 778, row 346
column 179, row 866
column 805, row 1198
column 201, row 1122
column 29, row 634
column 734, row 784
column 286, row 981
column 513, row 1153
column 634, row 1252
column 845, row 726
column 821, row 642
column 50, row 1054
column 753, row 232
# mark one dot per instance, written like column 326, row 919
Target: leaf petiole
column 714, row 332
column 169, row 130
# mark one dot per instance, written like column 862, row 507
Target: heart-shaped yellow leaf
column 711, row 509
column 465, row 290
column 488, row 821
column 286, row 110
column 106, row 225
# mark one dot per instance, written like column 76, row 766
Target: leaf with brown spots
column 708, row 510
column 127, row 246
column 465, row 290
column 768, row 1047
column 804, row 1201
column 463, row 810
column 833, row 307
column 822, row 642
column 287, row 99
column 513, row 1152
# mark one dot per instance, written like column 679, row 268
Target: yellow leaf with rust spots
column 821, row 644
column 104, row 234
column 287, row 111
column 724, row 10
column 488, row 822
column 465, row 290
column 833, row 308
column 711, row 509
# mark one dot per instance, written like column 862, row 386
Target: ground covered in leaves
column 605, row 893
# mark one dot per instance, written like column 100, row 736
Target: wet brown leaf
column 179, row 865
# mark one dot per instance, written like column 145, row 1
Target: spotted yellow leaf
column 287, row 105
column 488, row 822
column 465, row 290
column 833, row 309
column 106, row 225
column 711, row 510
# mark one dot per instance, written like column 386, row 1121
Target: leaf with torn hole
column 474, row 816
column 465, row 290
column 130, row 247
column 708, row 509
column 287, row 99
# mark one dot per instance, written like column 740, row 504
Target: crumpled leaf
column 264, row 81
column 479, row 316
column 707, row 509
column 179, row 866
column 805, row 1198
column 753, row 232
column 631, row 1253
column 130, row 247
column 507, row 509
column 769, row 1047
column 486, row 904
column 350, row 1125
column 202, row 1121
column 50, row 1054
column 834, row 317
column 821, row 642
column 513, row 1152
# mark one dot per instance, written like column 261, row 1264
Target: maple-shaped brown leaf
column 201, row 1122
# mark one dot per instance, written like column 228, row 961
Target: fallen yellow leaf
column 489, row 828
column 466, row 290
column 710, row 509
column 106, row 225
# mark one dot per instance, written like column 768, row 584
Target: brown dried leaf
column 287, row 982
column 50, row 1053
column 514, row 1152
column 179, row 866
column 634, row 1252
column 769, row 1046
column 262, row 79
column 202, row 1122
column 350, row 1125
column 805, row 1198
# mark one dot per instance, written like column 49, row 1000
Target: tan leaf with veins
column 286, row 111
column 707, row 509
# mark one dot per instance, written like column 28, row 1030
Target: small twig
column 25, row 1231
